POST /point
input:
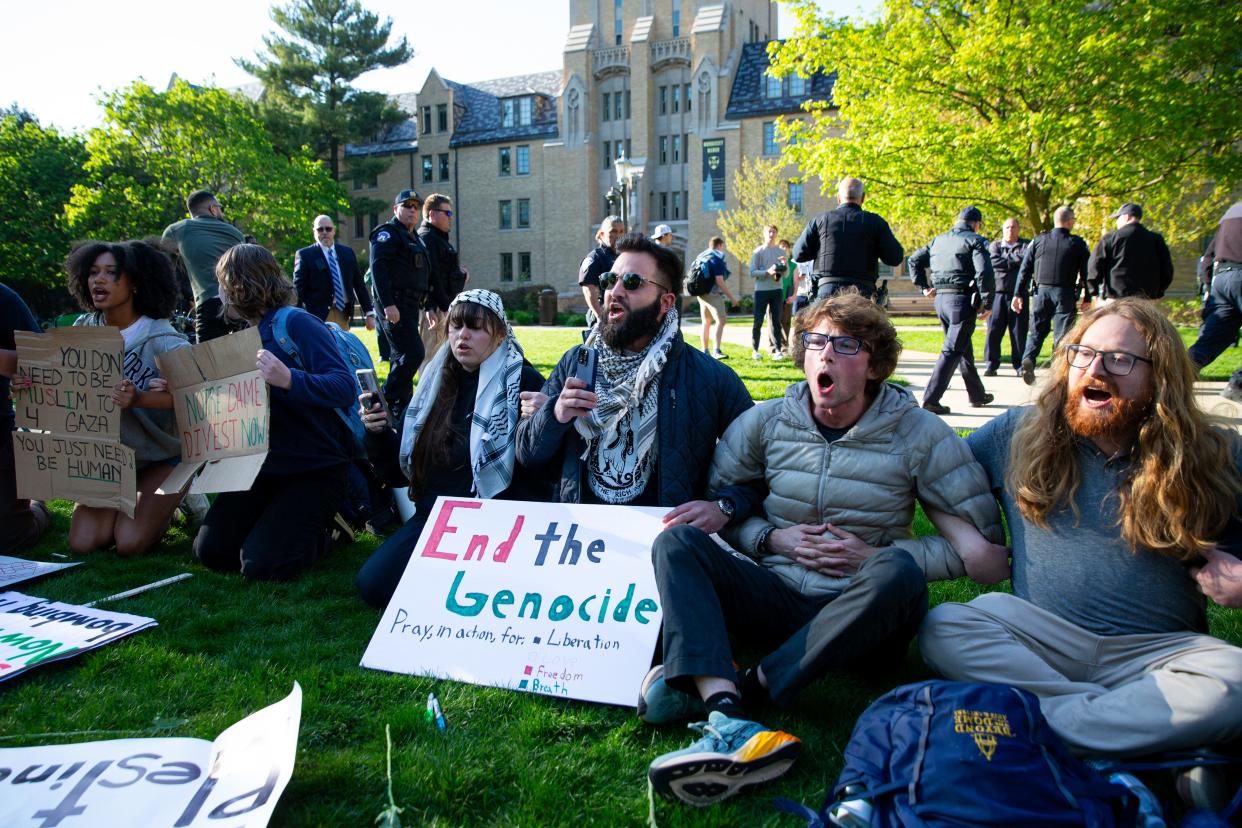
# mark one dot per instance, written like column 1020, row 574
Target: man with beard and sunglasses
column 1122, row 499
column 828, row 576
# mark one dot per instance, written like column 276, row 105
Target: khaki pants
column 339, row 317
column 1121, row 695
column 432, row 337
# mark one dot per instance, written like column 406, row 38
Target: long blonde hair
column 1183, row 485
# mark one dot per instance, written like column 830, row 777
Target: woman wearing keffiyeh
column 457, row 438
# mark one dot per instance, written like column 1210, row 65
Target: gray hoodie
column 150, row 432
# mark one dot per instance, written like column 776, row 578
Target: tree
column 38, row 169
column 308, row 75
column 761, row 189
column 155, row 148
column 1025, row 105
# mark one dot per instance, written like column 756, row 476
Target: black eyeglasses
column 843, row 345
column 1117, row 363
column 630, row 281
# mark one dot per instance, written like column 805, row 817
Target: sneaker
column 936, row 408
column 731, row 755
column 779, row 355
column 340, row 531
column 987, row 398
column 660, row 704
column 719, row 354
column 1232, row 392
column 756, row 355
column 195, row 507
column 1028, row 371
column 991, row 372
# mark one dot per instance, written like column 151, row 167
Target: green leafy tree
column 155, row 148
column 761, row 188
column 38, row 169
column 1020, row 106
column 307, row 75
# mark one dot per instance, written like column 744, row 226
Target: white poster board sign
column 549, row 598
column 13, row 570
column 232, row 782
column 35, row 631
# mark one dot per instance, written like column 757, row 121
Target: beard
column 637, row 324
column 1119, row 419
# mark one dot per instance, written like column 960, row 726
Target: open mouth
column 615, row 311
column 1097, row 397
column 98, row 295
column 825, row 383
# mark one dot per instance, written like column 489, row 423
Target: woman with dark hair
column 279, row 527
column 131, row 286
column 458, row 434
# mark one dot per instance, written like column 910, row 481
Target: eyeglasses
column 630, row 281
column 1117, row 363
column 843, row 345
column 411, row 205
column 324, row 229
column 448, row 213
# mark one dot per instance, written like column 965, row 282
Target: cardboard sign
column 13, row 570
column 549, row 598
column 92, row 471
column 36, row 631
column 221, row 403
column 72, row 373
column 232, row 782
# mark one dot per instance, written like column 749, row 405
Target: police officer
column 960, row 266
column 1058, row 261
column 1131, row 260
column 845, row 243
column 1006, row 254
column 402, row 275
column 1220, row 327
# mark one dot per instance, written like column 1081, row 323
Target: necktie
column 338, row 286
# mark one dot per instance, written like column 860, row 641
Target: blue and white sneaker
column 732, row 754
column 660, row 704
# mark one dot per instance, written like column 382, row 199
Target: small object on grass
column 59, row 555
column 127, row 593
column 388, row 818
column 433, row 712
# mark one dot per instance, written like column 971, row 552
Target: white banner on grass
column 13, row 570
column 549, row 598
column 35, row 631
column 232, row 782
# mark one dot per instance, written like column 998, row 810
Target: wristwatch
column 726, row 507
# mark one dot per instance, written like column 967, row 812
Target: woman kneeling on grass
column 131, row 286
column 279, row 527
column 458, row 435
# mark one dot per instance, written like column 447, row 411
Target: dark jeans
column 405, row 356
column 957, row 318
column 1004, row 319
column 22, row 522
column 209, row 322
column 1055, row 306
column 1220, row 329
column 769, row 302
column 706, row 592
column 378, row 578
column 277, row 529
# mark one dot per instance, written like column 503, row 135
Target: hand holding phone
column 577, row 397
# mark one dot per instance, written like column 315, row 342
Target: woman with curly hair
column 277, row 528
column 130, row 285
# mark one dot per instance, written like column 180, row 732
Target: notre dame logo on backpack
column 699, row 280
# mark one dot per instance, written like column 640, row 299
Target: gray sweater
column 763, row 258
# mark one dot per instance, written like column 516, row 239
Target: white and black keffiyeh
column 497, row 403
column 620, row 432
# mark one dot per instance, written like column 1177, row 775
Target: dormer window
column 517, row 111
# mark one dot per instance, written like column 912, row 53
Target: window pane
column 627, row 104
column 795, row 196
column 442, row 117
column 523, row 160
column 523, row 212
column 607, row 154
column 676, row 149
column 524, row 111
column 360, row 228
column 663, row 206
column 663, row 149
column 675, row 90
column 676, row 206
column 769, row 138
column 444, row 168
column 686, row 90
column 506, row 215
column 426, row 120
column 427, row 169
column 524, row 267
column 607, row 106
column 506, row 267
column 663, row 100
column 797, row 86
column 773, row 87
column 504, row 160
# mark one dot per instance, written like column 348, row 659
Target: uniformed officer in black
column 960, row 267
column 845, row 244
column 1006, row 254
column 1057, row 259
column 402, row 274
column 1131, row 260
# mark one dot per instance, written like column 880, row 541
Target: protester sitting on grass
column 830, row 577
column 458, row 434
column 279, row 527
column 131, row 286
column 22, row 521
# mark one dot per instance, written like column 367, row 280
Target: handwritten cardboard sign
column 549, row 598
column 36, row 631
column 14, row 570
column 93, row 471
column 72, row 372
column 232, row 782
column 221, row 403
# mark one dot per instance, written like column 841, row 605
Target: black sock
column 728, row 703
column 750, row 688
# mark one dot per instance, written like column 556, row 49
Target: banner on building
column 713, row 174
column 550, row 598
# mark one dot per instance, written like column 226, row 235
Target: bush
column 1182, row 311
column 524, row 298
column 571, row 320
column 521, row 317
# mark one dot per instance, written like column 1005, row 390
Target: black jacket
column 1057, row 258
column 1006, row 259
column 1130, row 261
column 958, row 259
column 312, row 280
column 845, row 244
column 445, row 265
column 400, row 266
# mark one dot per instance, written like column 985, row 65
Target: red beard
column 1119, row 418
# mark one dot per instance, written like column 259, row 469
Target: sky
column 58, row 56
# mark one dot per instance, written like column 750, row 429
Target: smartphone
column 584, row 369
column 370, row 390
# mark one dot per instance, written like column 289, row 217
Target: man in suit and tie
column 326, row 278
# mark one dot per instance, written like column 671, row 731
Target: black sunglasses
column 448, row 213
column 630, row 281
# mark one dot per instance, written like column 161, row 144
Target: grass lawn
column 225, row 648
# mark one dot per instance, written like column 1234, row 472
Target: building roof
column 402, row 137
column 476, row 115
column 747, row 99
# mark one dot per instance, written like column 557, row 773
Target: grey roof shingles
column 747, row 99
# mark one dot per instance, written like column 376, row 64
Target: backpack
column 943, row 753
column 699, row 280
column 355, row 356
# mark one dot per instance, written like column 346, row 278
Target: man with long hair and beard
column 1122, row 501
